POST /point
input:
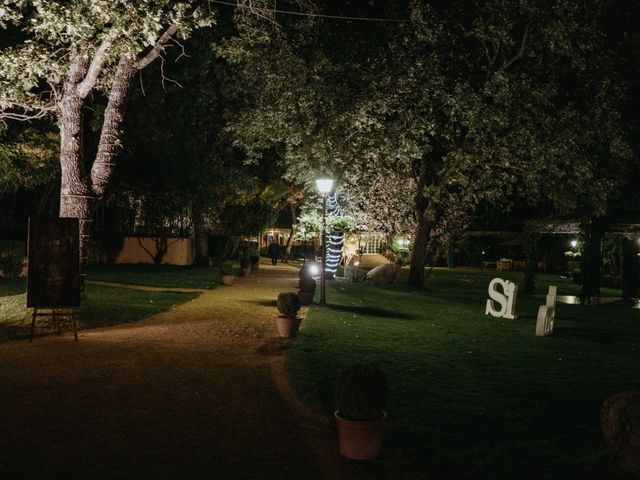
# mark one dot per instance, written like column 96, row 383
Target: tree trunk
column 530, row 245
column 419, row 252
column 109, row 145
column 76, row 198
column 423, row 228
column 292, row 234
column 592, row 231
column 201, row 236
column 630, row 269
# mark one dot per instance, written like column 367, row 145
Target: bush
column 303, row 251
column 361, row 392
column 255, row 259
column 248, row 247
column 245, row 262
column 288, row 304
column 12, row 255
column 307, row 285
column 226, row 268
column 222, row 247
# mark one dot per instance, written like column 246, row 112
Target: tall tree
column 465, row 103
column 70, row 50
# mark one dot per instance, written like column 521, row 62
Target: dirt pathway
column 197, row 392
column 188, row 393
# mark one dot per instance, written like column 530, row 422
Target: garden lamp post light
column 324, row 186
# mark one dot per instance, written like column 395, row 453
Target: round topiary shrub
column 288, row 304
column 226, row 268
column 361, row 392
column 307, row 285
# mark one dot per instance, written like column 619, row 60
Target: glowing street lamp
column 574, row 243
column 324, row 186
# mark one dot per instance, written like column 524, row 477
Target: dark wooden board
column 53, row 275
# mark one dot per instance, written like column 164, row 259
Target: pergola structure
column 593, row 233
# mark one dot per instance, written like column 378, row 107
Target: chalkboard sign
column 53, row 275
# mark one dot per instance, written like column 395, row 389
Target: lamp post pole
column 324, row 187
column 323, row 278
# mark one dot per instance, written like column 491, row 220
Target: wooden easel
column 55, row 313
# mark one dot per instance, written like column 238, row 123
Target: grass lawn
column 473, row 396
column 105, row 305
column 12, row 286
column 170, row 276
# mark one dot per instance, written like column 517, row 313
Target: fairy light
column 335, row 240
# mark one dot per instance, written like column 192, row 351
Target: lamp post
column 324, row 186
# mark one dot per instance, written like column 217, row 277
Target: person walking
column 274, row 253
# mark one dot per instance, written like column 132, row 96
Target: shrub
column 255, row 259
column 245, row 262
column 302, row 251
column 222, row 247
column 288, row 304
column 307, row 285
column 361, row 392
column 226, row 268
column 11, row 257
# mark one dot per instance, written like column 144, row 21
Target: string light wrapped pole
column 324, row 186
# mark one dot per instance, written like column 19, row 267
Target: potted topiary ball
column 226, row 271
column 307, row 290
column 255, row 261
column 245, row 266
column 361, row 401
column 288, row 321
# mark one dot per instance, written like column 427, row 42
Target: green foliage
column 56, row 31
column 226, row 268
column 399, row 251
column 288, row 304
column 245, row 262
column 12, row 254
column 255, row 259
column 307, row 284
column 361, row 392
column 309, row 225
column 28, row 157
column 248, row 248
column 341, row 223
column 222, row 247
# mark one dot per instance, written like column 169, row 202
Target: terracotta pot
column 288, row 327
column 305, row 298
column 227, row 279
column 245, row 271
column 360, row 440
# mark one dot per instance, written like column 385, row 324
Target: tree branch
column 39, row 113
column 520, row 52
column 86, row 85
column 158, row 48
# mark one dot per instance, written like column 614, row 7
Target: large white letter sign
column 547, row 314
column 506, row 300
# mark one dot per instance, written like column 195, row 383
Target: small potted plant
column 255, row 261
column 226, row 271
column 307, row 290
column 288, row 321
column 361, row 401
column 245, row 266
